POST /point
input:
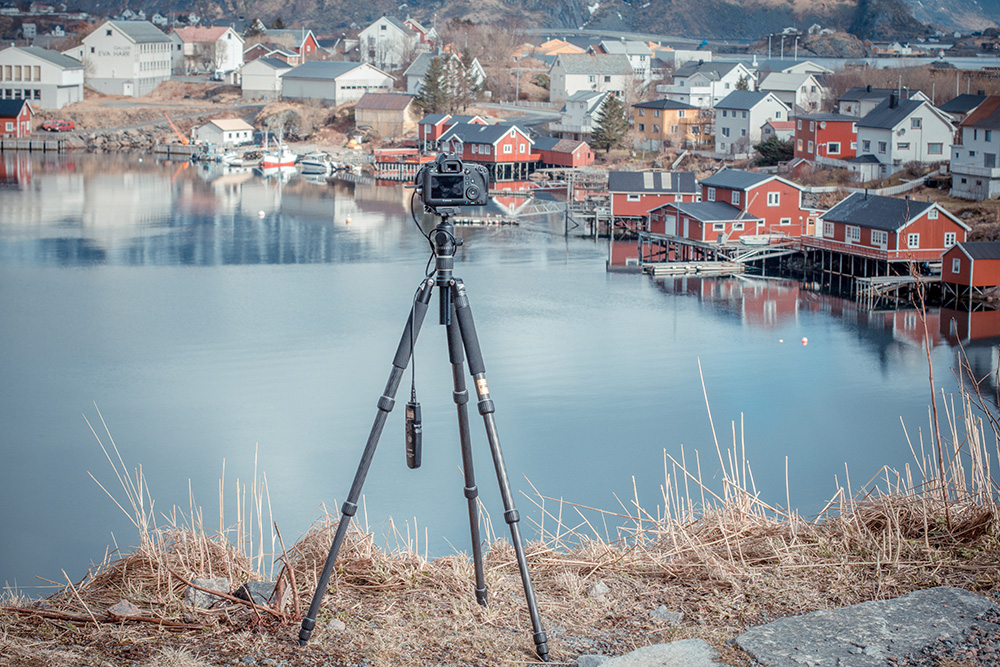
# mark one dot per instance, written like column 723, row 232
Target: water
column 218, row 318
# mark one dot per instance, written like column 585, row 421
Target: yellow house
column 663, row 123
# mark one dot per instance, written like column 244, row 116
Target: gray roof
column 744, row 99
column 826, row 115
column 714, row 211
column 11, row 108
column 322, row 69
column 713, row 70
column 981, row 249
column 784, row 82
column 673, row 182
column 420, row 65
column 885, row 117
column 471, row 133
column 298, row 34
column 887, row 213
column 587, row 63
column 867, row 158
column 274, row 63
column 859, row 93
column 626, row 48
column 964, row 103
column 663, row 104
column 54, row 57
column 141, row 32
column 780, row 65
column 434, row 118
column 735, row 179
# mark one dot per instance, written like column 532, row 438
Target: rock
column 258, row 592
column 201, row 599
column 124, row 609
column 661, row 613
column 683, row 653
column 599, row 589
column 336, row 625
column 591, row 660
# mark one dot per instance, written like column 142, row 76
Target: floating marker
column 260, row 214
column 805, row 341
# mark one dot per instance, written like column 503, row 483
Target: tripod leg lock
column 486, row 407
column 349, row 508
column 386, row 404
column 511, row 516
column 461, row 397
column 481, row 595
column 471, row 492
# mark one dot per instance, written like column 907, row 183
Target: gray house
column 333, row 82
column 47, row 79
column 570, row 73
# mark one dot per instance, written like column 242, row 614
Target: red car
column 58, row 125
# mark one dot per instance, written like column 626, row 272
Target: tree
column 611, row 125
column 468, row 87
column 743, row 83
column 434, row 96
column 774, row 150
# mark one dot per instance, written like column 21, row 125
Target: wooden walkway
column 707, row 268
column 39, row 144
column 869, row 292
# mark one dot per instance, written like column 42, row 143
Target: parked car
column 58, row 125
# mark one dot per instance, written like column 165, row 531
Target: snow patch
column 593, row 8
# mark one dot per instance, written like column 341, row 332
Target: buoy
column 261, row 214
column 781, row 340
column 347, row 220
column 805, row 341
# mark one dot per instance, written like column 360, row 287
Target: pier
column 34, row 144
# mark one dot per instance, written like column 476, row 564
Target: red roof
column 199, row 34
column 782, row 124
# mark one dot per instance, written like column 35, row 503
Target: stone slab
column 682, row 653
column 866, row 634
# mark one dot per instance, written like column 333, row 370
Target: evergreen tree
column 434, row 95
column 773, row 151
column 611, row 125
column 470, row 86
column 743, row 83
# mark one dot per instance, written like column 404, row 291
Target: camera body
column 449, row 182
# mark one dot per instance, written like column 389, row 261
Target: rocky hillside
column 733, row 19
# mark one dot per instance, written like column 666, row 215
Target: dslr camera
column 449, row 182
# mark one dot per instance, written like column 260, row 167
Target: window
column 828, row 229
column 735, row 198
column 633, row 197
column 989, row 160
column 881, row 147
column 718, row 226
column 949, row 239
column 108, row 33
column 673, row 129
column 737, row 226
column 915, row 123
column 854, row 146
column 744, row 114
column 854, row 128
column 785, row 222
column 932, row 214
column 866, row 145
column 485, row 150
column 773, row 198
column 10, row 126
column 880, row 237
column 711, row 194
column 743, row 132
column 521, row 148
column 642, row 112
column 725, row 131
column 798, row 125
column 833, row 148
column 680, row 113
column 810, row 148
column 656, row 113
column 475, row 148
column 607, row 79
column 903, row 146
column 812, row 126
column 656, row 129
column 956, row 264
column 989, row 135
column 852, row 234
column 508, row 149
column 934, row 149
column 798, row 144
column 913, row 240
column 678, row 197
column 382, row 27
column 724, row 113
column 642, row 127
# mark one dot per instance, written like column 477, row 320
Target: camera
column 449, row 182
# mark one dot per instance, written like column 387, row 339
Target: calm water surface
column 213, row 318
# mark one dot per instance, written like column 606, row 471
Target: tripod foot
column 307, row 627
column 541, row 646
column 481, row 596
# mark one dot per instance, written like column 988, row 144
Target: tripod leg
column 461, row 395
column 478, row 370
column 385, row 405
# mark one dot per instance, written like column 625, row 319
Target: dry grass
column 716, row 553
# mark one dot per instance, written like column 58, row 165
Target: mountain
column 724, row 19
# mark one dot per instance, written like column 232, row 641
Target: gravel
column 979, row 646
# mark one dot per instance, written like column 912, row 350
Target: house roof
column 384, row 101
column 434, row 118
column 784, row 82
column 591, row 98
column 782, row 64
column 557, row 145
column 200, row 34
column 140, row 32
column 781, row 124
column 745, row 99
column 299, row 35
column 663, row 104
column 884, row 117
column 420, row 65
column 887, row 213
column 828, row 116
column 231, row 124
column 54, row 57
column 554, row 46
column 713, row 70
column 629, row 48
column 986, row 115
column 962, row 104
column 981, row 249
column 273, row 63
column 673, row 182
column 12, row 108
column 713, row 211
column 471, row 133
column 859, row 93
column 736, row 179
column 322, row 69
column 591, row 63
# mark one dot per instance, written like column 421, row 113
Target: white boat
column 316, row 163
column 756, row 239
column 279, row 156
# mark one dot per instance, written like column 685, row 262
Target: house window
column 903, row 146
column 678, row 197
column 810, row 149
column 680, row 113
column 108, row 32
column 852, row 233
column 724, row 113
column 934, row 149
column 737, row 226
column 711, row 194
column 673, row 129
column 913, row 240
column 880, row 237
column 949, row 239
column 932, row 214
column 989, row 160
column 656, row 129
column 10, row 126
column 828, row 229
column 798, row 144
column 508, row 149
column 866, row 145
column 881, row 147
column 854, row 128
column 718, row 226
column 522, row 148
column 854, row 146
column 725, row 131
column 475, row 148
column 486, row 150
column 773, row 198
column 735, row 198
column 956, row 264
column 656, row 113
column 914, row 123
column 777, row 114
column 833, row 148
column 988, row 135
column 798, row 124
column 607, row 79
column 744, row 114
column 633, row 197
column 642, row 112
column 642, row 127
column 812, row 126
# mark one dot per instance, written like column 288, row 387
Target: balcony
column 959, row 169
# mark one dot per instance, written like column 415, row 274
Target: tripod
column 456, row 315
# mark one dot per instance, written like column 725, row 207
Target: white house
column 197, row 49
column 225, row 131
column 387, row 42
column 900, row 131
column 570, row 73
column 860, row 100
column 47, row 79
column 675, row 58
column 975, row 173
column 639, row 55
column 334, row 82
column 740, row 116
column 802, row 89
column 703, row 84
column 129, row 58
column 576, row 120
column 262, row 78
column 417, row 71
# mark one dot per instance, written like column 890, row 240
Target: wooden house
column 703, row 221
column 505, row 150
column 773, row 202
column 826, row 135
column 971, row 269
column 888, row 229
column 555, row 152
column 15, row 118
column 390, row 115
column 635, row 193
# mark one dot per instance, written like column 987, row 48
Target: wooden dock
column 870, row 292
column 705, row 268
column 177, row 150
column 35, row 144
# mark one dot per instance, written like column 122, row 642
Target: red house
column 773, row 202
column 705, row 221
column 831, row 135
column 433, row 126
column 302, row 41
column 635, row 193
column 505, row 150
column 15, row 118
column 554, row 152
column 888, row 228
column 971, row 268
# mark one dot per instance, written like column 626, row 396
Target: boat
column 756, row 239
column 317, row 163
column 279, row 156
